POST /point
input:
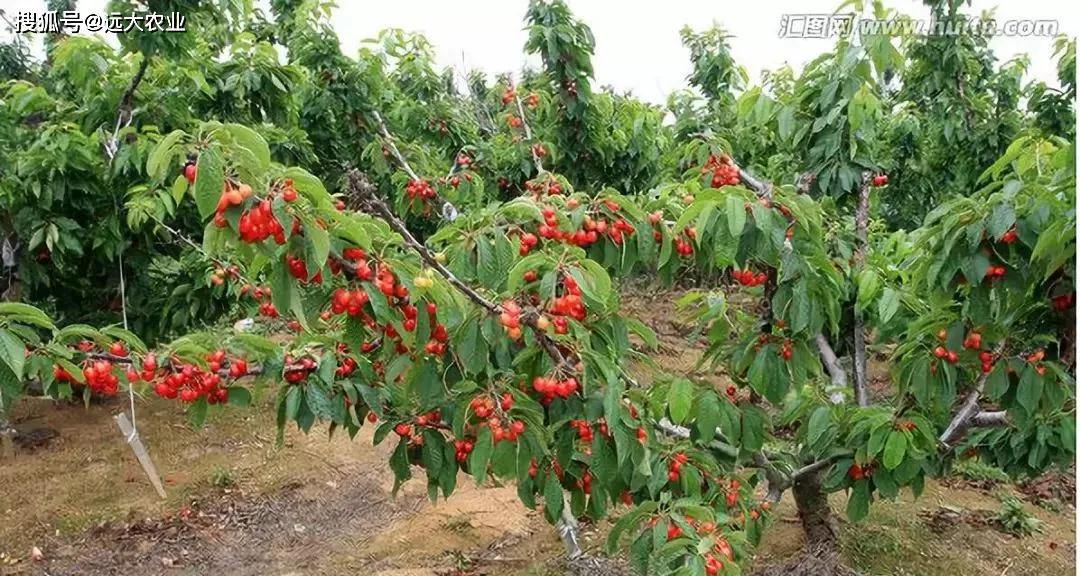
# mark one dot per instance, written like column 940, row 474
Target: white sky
column 637, row 43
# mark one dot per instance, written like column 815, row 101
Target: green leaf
column 292, row 402
column 12, row 352
column 736, row 215
column 628, row 521
column 889, row 304
column 472, row 348
column 157, row 164
column 753, row 429
column 680, row 397
column 210, row 181
column 179, row 188
column 707, row 418
column 553, row 498
column 197, row 413
column 239, row 396
column 251, row 140
column 11, row 389
column 817, row 425
column 644, row 332
column 1001, row 219
column 25, row 314
column 895, row 448
column 320, row 246
column 1030, row 390
column 478, row 459
column 126, row 336
column 998, row 381
column 859, row 501
column 399, row 463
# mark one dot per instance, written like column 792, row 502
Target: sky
column 638, row 48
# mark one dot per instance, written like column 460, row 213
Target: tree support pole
column 141, row 454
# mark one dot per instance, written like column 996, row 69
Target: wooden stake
column 7, row 444
column 140, row 453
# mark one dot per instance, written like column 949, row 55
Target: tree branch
column 995, row 419
column 777, row 481
column 862, row 216
column 963, row 418
column 447, row 210
column 125, row 100
column 123, row 113
column 761, row 187
column 528, row 133
column 833, row 367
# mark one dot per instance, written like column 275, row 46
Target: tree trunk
column 819, row 526
column 822, row 554
column 862, row 217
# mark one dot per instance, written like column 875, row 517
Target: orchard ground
column 239, row 505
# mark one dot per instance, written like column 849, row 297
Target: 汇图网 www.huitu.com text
column 843, row 25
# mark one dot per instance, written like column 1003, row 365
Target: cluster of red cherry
column 584, row 430
column 189, row 382
column 724, row 171
column 462, row 449
column 548, row 187
column 419, row 189
column 550, row 388
column 675, row 466
column 749, row 278
column 685, row 246
column 569, row 304
column 1063, row 302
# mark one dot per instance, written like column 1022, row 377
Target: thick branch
column 832, row 365
column 123, row 113
column 963, row 418
column 815, row 466
column 761, row 187
column 719, row 443
column 125, row 100
column 831, row 362
column 777, row 481
column 995, row 419
column 862, row 216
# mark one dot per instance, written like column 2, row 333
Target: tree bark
column 819, row 526
column 862, row 216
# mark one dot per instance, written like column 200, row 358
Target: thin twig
column 528, row 132
column 447, row 210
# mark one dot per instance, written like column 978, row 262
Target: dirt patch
column 237, row 504
column 679, row 347
column 947, row 518
column 896, row 538
column 231, row 534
